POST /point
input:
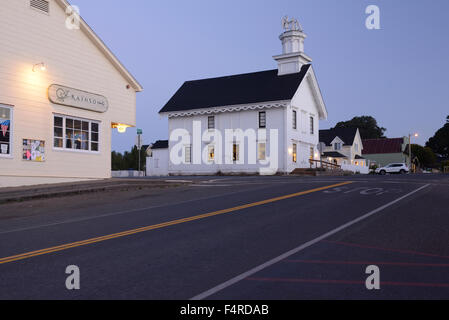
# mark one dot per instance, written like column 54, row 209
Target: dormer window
column 337, row 146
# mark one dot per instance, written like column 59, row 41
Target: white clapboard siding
column 30, row 36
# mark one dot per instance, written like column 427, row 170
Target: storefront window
column 80, row 134
column 5, row 130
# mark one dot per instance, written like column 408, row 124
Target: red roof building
column 386, row 151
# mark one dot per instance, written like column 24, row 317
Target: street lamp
column 410, row 149
column 39, row 66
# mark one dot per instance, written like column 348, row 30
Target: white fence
column 127, row 174
column 355, row 169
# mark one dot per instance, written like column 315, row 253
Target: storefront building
column 62, row 92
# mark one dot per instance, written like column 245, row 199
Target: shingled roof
column 379, row 146
column 265, row 86
column 345, row 134
column 160, row 144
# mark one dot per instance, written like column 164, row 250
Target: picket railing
column 315, row 164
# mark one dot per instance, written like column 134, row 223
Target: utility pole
column 410, row 152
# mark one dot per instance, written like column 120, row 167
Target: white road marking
column 288, row 254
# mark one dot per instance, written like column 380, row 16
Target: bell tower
column 293, row 57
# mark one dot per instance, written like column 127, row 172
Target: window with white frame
column 211, row 122
column 295, row 153
column 211, row 153
column 188, row 154
column 262, row 151
column 337, row 145
column 312, row 125
column 5, row 130
column 235, row 152
column 295, row 120
column 76, row 134
column 262, row 120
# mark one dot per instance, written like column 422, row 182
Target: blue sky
column 398, row 74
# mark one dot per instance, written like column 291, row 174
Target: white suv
column 393, row 168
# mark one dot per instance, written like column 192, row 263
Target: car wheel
column 402, row 171
column 383, row 172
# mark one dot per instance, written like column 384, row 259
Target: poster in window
column 33, row 150
column 4, row 135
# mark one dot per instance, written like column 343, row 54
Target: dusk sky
column 398, row 74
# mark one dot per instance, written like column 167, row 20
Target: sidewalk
column 64, row 189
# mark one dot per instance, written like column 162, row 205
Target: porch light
column 290, row 151
column 39, row 66
column 121, row 128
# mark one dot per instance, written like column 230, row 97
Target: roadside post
column 410, row 152
column 139, row 143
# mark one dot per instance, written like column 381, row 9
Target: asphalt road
column 234, row 238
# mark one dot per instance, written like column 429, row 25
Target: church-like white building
column 264, row 122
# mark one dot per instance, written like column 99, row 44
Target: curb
column 37, row 194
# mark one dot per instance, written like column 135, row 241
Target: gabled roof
column 346, row 134
column 379, row 146
column 104, row 49
column 160, row 144
column 257, row 87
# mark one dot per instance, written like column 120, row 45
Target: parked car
column 400, row 168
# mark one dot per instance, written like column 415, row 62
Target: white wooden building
column 286, row 101
column 344, row 147
column 62, row 91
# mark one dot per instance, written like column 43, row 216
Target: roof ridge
column 231, row 75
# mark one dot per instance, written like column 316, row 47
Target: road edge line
column 288, row 254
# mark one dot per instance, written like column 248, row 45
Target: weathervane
column 291, row 25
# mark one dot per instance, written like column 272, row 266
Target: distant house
column 385, row 151
column 343, row 147
column 157, row 158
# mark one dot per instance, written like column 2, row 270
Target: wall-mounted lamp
column 39, row 66
column 121, row 128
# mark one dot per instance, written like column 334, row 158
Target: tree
column 369, row 129
column 425, row 155
column 439, row 143
column 129, row 160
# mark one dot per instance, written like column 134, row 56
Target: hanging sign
column 75, row 98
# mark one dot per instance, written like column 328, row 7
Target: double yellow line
column 160, row 226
